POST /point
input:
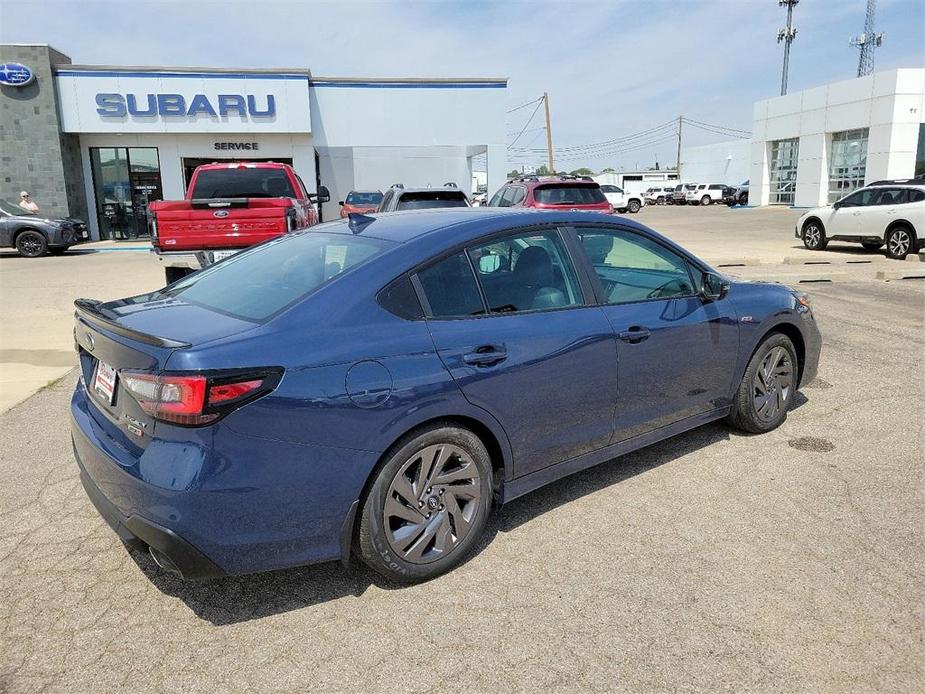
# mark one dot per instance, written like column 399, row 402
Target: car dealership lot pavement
column 791, row 561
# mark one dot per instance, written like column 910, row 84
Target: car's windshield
column 243, row 182
column 366, row 199
column 257, row 283
column 10, row 207
column 429, row 199
column 569, row 194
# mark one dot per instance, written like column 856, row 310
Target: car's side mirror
column 837, row 205
column 340, row 202
column 713, row 287
column 323, row 194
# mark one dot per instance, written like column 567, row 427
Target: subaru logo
column 15, row 75
column 90, row 343
column 220, row 213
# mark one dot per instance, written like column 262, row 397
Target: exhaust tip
column 163, row 561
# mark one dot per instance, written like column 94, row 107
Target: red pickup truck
column 229, row 207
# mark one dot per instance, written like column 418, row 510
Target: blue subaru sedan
column 374, row 386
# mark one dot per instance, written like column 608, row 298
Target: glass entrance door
column 125, row 181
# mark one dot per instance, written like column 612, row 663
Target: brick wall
column 34, row 154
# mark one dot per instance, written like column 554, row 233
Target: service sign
column 126, row 101
column 15, row 75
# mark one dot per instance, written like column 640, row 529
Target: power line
column 719, row 127
column 517, row 108
column 615, row 141
column 529, row 120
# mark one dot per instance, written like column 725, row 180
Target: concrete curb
column 900, row 275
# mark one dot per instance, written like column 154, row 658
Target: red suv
column 552, row 193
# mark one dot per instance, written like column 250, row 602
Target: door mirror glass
column 323, row 194
column 713, row 287
column 340, row 202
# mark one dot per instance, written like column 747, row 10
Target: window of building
column 784, row 156
column 920, row 152
column 125, row 180
column 633, row 268
column 847, row 162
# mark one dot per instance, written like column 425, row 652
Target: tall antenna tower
column 787, row 35
column 867, row 41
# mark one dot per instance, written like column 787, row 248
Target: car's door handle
column 485, row 355
column 856, row 214
column 635, row 334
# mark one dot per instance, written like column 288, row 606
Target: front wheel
column 767, row 388
column 31, row 244
column 814, row 236
column 427, row 506
column 899, row 243
column 633, row 206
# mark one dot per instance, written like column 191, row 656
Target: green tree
column 513, row 173
column 583, row 171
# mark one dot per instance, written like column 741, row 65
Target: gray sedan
column 33, row 235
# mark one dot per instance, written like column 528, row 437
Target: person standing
column 27, row 203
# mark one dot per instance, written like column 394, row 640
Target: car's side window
column 384, row 205
column 632, row 267
column 496, row 198
column 888, row 196
column 915, row 195
column 518, row 196
column 526, row 272
column 450, row 288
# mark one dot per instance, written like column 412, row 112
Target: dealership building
column 101, row 142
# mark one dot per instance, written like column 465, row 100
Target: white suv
column 704, row 194
column 621, row 200
column 890, row 213
column 657, row 196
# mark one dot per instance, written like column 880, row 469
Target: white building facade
column 135, row 134
column 815, row 146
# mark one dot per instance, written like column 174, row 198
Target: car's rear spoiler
column 88, row 310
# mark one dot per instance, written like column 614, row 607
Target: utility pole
column 867, row 41
column 678, row 160
column 552, row 168
column 786, row 35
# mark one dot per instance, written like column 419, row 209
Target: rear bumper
column 193, row 260
column 188, row 561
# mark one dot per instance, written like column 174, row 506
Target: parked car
column 479, row 199
column 704, row 194
column 33, row 235
column 622, row 201
column 741, row 193
column 360, row 202
column 657, row 196
column 679, row 195
column 552, row 193
column 229, row 207
column 399, row 198
column 729, row 195
column 373, row 387
column 890, row 213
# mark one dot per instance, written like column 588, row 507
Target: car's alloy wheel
column 772, row 384
column 31, row 244
column 814, row 236
column 743, row 199
column 633, row 206
column 898, row 243
column 706, row 200
column 427, row 505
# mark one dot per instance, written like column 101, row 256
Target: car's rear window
column 355, row 198
column 568, row 194
column 257, row 283
column 428, row 199
column 245, row 182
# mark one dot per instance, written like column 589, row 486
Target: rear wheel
column 633, row 206
column 660, row 200
column 427, row 506
column 767, row 388
column 706, row 200
column 900, row 242
column 743, row 199
column 173, row 274
column 31, row 244
column 814, row 236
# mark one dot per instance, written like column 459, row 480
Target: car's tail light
column 195, row 399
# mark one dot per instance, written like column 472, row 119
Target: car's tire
column 660, row 200
column 872, row 245
column 621, row 210
column 743, row 199
column 174, row 274
column 633, row 206
column 400, row 537
column 768, row 387
column 706, row 200
column 900, row 242
column 669, row 201
column 814, row 235
column 31, row 244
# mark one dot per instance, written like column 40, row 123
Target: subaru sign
column 114, row 105
column 15, row 75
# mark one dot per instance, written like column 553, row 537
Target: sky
column 611, row 69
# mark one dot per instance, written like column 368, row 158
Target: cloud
column 610, row 68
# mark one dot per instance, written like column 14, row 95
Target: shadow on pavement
column 242, row 598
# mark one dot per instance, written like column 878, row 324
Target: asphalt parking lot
column 793, row 561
